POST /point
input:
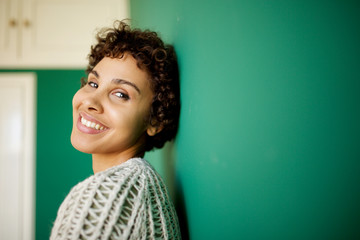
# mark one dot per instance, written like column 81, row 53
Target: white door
column 17, row 154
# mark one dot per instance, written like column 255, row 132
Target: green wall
column 268, row 146
column 59, row 165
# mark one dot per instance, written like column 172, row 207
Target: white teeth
column 90, row 124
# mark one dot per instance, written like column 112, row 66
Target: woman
column 128, row 105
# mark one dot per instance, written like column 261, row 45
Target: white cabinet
column 53, row 33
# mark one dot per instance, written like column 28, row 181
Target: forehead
column 122, row 68
column 127, row 65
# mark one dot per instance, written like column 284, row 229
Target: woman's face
column 110, row 111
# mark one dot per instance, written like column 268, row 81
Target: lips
column 89, row 125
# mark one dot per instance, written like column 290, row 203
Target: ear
column 153, row 130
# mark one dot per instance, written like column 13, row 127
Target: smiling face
column 110, row 112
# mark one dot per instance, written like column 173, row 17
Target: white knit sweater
column 128, row 201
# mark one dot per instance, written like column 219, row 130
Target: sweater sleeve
column 126, row 202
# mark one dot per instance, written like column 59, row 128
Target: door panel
column 17, row 144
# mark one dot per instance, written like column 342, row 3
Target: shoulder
column 136, row 172
column 133, row 165
column 133, row 172
column 130, row 198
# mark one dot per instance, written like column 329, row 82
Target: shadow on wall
column 175, row 187
column 181, row 210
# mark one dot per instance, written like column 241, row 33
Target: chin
column 79, row 145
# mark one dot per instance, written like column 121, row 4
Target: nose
column 93, row 103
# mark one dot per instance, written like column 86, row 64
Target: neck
column 101, row 162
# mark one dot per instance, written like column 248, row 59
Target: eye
column 92, row 84
column 122, row 95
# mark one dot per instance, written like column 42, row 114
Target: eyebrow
column 118, row 81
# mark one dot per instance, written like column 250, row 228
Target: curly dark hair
column 159, row 61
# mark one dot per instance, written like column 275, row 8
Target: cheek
column 76, row 99
column 130, row 122
column 143, row 119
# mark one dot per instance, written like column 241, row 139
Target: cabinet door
column 9, row 31
column 59, row 33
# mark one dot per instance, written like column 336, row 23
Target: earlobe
column 152, row 131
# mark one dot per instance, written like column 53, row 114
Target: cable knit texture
column 128, row 201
